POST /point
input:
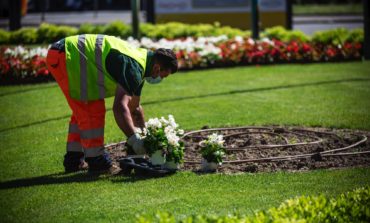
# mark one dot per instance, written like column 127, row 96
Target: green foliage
column 212, row 148
column 280, row 33
column 176, row 154
column 90, row 29
column 353, row 206
column 335, row 36
column 48, row 33
column 173, row 30
column 338, row 36
column 355, row 36
column 4, row 36
column 349, row 207
column 156, row 140
column 117, row 28
column 24, row 36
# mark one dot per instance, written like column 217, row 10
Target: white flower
column 142, row 132
column 239, row 39
column 164, row 121
column 251, row 41
column 267, row 40
column 172, row 122
column 153, row 123
column 216, row 139
column 180, row 132
column 172, row 138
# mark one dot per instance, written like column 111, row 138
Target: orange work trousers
column 86, row 126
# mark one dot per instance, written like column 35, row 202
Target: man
column 89, row 68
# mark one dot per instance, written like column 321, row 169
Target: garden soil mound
column 276, row 148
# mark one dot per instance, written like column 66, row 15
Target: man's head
column 164, row 63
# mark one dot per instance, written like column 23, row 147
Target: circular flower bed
column 260, row 149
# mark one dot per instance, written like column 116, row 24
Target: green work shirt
column 127, row 71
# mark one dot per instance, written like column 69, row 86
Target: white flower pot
column 157, row 158
column 209, row 166
column 171, row 165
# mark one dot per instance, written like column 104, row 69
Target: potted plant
column 162, row 142
column 212, row 151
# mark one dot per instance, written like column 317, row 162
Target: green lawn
column 314, row 9
column 34, row 122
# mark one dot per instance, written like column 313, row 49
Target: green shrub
column 4, row 36
column 280, row 33
column 349, row 207
column 24, row 36
column 148, row 30
column 173, row 30
column 91, row 29
column 356, row 35
column 334, row 36
column 117, row 28
column 48, row 33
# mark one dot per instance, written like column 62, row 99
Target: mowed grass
column 34, row 122
column 314, row 9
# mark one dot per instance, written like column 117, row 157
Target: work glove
column 137, row 144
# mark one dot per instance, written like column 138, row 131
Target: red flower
column 42, row 71
column 306, row 47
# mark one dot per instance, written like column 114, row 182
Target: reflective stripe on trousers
column 74, row 137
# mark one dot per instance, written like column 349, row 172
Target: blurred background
column 308, row 15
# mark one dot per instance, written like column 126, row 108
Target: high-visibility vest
column 88, row 78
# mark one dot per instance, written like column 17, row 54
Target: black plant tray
column 142, row 166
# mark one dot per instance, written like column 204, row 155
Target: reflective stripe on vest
column 99, row 64
column 83, row 66
column 85, row 59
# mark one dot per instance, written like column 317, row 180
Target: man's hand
column 137, row 144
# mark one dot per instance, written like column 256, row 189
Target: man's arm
column 137, row 112
column 122, row 112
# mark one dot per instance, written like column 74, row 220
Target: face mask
column 151, row 80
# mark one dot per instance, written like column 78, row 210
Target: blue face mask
column 151, row 80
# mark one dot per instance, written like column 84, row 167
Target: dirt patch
column 274, row 148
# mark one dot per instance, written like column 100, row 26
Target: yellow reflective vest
column 88, row 78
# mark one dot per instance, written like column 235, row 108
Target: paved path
column 308, row 24
column 75, row 18
column 311, row 24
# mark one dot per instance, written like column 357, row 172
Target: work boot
column 102, row 165
column 74, row 162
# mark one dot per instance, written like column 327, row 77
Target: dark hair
column 166, row 58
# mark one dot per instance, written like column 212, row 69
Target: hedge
column 48, row 33
column 352, row 206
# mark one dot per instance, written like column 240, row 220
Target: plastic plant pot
column 171, row 165
column 157, row 158
column 209, row 166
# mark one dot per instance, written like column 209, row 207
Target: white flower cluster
column 203, row 45
column 25, row 53
column 170, row 129
column 215, row 139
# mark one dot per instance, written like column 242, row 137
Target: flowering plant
column 163, row 135
column 21, row 63
column 212, row 149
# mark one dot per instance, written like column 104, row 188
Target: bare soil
column 276, row 148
